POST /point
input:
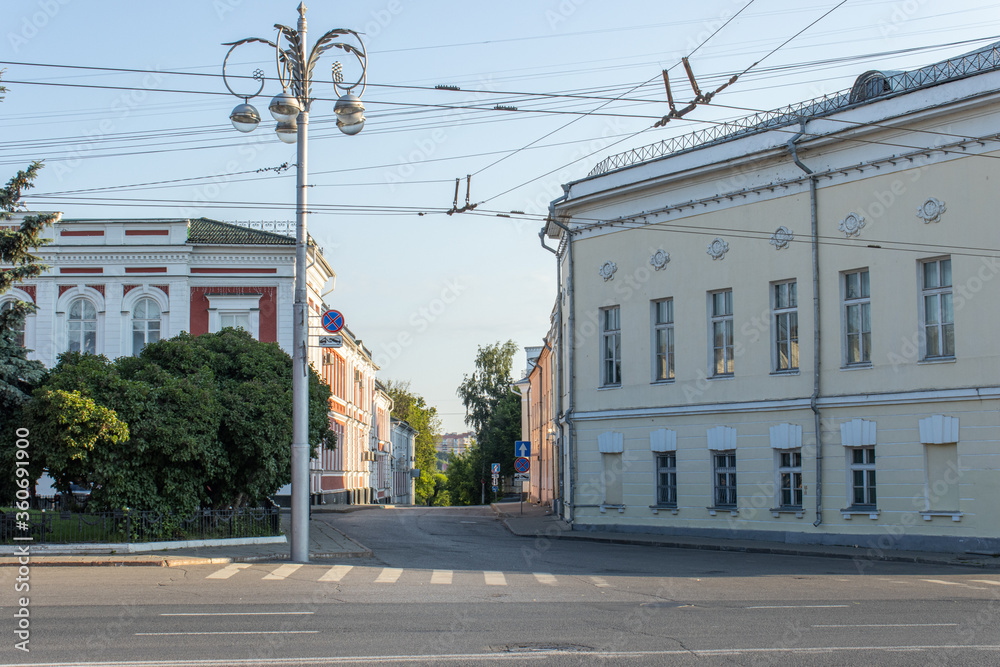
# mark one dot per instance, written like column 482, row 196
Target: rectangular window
column 724, row 467
column 938, row 314
column 786, row 326
column 863, row 477
column 722, row 332
column 857, row 317
column 663, row 340
column 790, row 478
column 611, row 344
column 235, row 320
column 666, row 479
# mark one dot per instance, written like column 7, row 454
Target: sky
column 148, row 136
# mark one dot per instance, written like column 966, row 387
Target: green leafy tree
column 74, row 437
column 488, row 384
column 494, row 411
column 413, row 409
column 209, row 422
column 502, row 430
column 464, row 478
column 18, row 374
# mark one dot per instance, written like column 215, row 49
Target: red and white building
column 113, row 286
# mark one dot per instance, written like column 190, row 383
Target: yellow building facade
column 785, row 329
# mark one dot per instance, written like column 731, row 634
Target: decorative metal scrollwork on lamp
column 294, row 73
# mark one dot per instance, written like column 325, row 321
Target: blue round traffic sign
column 333, row 321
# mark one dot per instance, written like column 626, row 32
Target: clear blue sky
column 422, row 291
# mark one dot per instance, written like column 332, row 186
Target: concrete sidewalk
column 325, row 541
column 538, row 521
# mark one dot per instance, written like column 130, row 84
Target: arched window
column 145, row 324
column 82, row 327
column 19, row 331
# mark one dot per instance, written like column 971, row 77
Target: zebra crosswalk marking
column 441, row 577
column 544, row 578
column 986, row 581
column 494, row 578
column 389, row 575
column 283, row 571
column 336, row 573
column 228, row 571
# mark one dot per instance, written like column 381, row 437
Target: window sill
column 656, row 508
column 609, row 386
column 605, row 507
column 722, row 376
column 668, row 381
column 852, row 511
column 733, row 511
column 778, row 511
column 857, row 367
column 931, row 361
column 792, row 371
column 955, row 516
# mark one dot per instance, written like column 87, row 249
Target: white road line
column 228, row 571
column 986, row 581
column 544, row 578
column 800, row 606
column 234, row 632
column 242, row 613
column 891, row 625
column 441, row 577
column 389, row 575
column 283, row 571
column 521, row 657
column 336, row 573
column 600, row 582
column 942, row 582
column 494, row 578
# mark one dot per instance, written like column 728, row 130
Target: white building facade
column 403, row 461
column 115, row 285
column 782, row 329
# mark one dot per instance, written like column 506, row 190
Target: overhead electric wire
column 772, row 52
column 606, row 103
column 566, row 95
column 183, row 182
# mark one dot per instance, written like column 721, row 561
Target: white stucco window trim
column 61, row 333
column 129, row 301
column 234, row 304
column 16, row 294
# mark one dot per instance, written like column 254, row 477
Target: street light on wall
column 290, row 108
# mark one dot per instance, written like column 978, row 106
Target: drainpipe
column 564, row 418
column 814, row 399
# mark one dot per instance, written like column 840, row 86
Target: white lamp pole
column 291, row 110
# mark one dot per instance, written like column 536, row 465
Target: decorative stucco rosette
column 781, row 237
column 607, row 271
column 931, row 210
column 659, row 260
column 718, row 248
column 852, row 224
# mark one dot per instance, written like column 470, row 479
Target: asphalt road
column 452, row 586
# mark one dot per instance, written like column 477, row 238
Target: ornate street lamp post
column 291, row 109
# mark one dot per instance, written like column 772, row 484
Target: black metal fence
column 65, row 527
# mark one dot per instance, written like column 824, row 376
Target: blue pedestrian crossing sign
column 522, row 448
column 333, row 321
